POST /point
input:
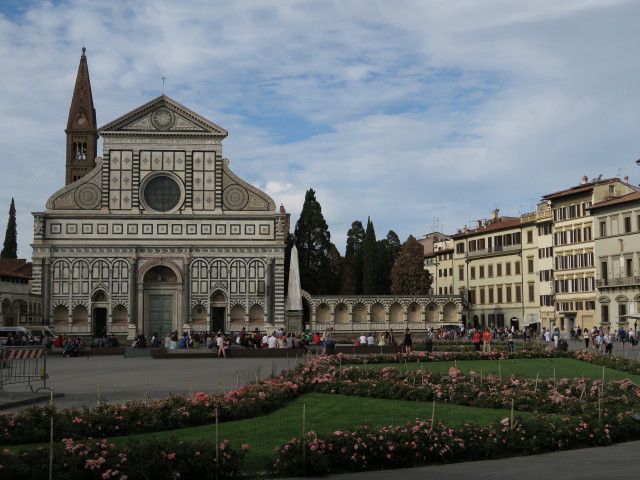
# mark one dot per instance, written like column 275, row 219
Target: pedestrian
column 477, row 339
column 486, row 337
column 407, row 343
column 586, row 338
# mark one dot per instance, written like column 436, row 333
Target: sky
column 424, row 115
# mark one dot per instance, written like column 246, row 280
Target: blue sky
column 416, row 113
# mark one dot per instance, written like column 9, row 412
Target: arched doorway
column 100, row 305
column 219, row 312
column 161, row 300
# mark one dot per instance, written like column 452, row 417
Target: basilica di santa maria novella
column 158, row 234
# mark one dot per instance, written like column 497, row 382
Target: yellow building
column 574, row 292
column 495, row 269
column 617, row 252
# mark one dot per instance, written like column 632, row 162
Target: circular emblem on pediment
column 163, row 118
column 235, row 197
column 88, row 196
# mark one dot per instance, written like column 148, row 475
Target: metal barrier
column 23, row 365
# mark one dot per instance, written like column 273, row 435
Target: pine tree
column 408, row 276
column 369, row 286
column 314, row 248
column 10, row 247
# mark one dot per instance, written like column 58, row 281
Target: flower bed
column 411, row 445
column 167, row 459
column 574, row 412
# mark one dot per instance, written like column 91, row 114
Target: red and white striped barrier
column 18, row 353
column 23, row 365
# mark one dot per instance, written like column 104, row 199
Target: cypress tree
column 10, row 247
column 369, row 286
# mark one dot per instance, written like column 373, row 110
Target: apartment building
column 574, row 288
column 617, row 260
column 544, row 264
column 438, row 262
column 494, row 268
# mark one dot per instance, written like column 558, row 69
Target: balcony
column 617, row 282
column 498, row 250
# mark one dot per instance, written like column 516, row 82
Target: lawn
column 325, row 414
column 542, row 367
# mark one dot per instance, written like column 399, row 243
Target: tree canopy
column 316, row 253
column 408, row 276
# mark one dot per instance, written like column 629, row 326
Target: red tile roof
column 19, row 268
column 492, row 226
column 583, row 187
column 629, row 197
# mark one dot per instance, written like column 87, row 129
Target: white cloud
column 403, row 111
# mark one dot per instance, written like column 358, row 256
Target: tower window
column 81, row 150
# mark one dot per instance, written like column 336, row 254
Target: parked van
column 39, row 331
column 6, row 332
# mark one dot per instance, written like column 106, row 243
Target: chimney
column 585, row 179
column 494, row 214
column 626, row 179
column 465, row 229
column 479, row 223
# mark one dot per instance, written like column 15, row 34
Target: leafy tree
column 394, row 245
column 369, row 284
column 334, row 273
column 10, row 248
column 314, row 248
column 408, row 276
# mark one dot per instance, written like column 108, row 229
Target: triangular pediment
column 163, row 116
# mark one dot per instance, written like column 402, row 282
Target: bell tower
column 82, row 132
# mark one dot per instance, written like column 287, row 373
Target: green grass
column 324, row 414
column 543, row 367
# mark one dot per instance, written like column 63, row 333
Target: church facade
column 158, row 234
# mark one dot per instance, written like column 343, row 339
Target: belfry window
column 81, row 150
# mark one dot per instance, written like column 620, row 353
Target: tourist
column 486, row 340
column 477, row 339
column 391, row 339
column 407, row 343
column 223, row 345
column 363, row 340
column 586, row 338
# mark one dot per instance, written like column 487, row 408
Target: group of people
column 602, row 339
column 104, row 341
column 22, row 340
column 481, row 339
column 384, row 338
